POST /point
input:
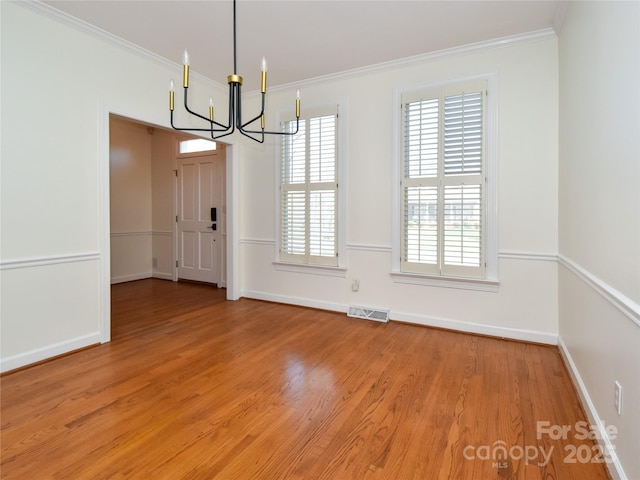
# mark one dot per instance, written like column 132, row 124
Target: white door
column 200, row 200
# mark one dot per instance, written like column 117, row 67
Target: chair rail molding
column 49, row 260
column 627, row 306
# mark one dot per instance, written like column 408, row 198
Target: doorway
column 231, row 243
column 140, row 228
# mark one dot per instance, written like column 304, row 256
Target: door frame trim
column 104, row 193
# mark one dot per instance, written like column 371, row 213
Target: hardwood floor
column 195, row 387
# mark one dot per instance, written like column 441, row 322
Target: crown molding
column 86, row 27
column 445, row 54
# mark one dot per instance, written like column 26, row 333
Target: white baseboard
column 162, row 275
column 467, row 327
column 130, row 278
column 303, row 302
column 141, row 276
column 44, row 353
column 477, row 328
column 614, row 467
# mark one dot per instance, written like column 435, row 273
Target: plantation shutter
column 443, row 181
column 309, row 191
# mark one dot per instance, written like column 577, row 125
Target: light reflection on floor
column 303, row 380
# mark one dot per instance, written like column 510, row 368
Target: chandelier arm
column 267, row 132
column 211, row 129
column 257, row 117
column 189, row 129
column 237, row 104
column 232, row 113
column 186, row 107
column 223, row 135
column 238, row 117
column 252, row 120
column 221, row 129
column 206, row 119
column 247, row 134
column 230, row 128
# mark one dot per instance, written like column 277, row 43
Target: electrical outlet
column 618, row 398
column 355, row 286
column 154, row 262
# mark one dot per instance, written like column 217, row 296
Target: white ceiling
column 304, row 39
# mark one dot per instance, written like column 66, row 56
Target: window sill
column 464, row 283
column 311, row 269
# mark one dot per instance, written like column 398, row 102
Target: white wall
column 59, row 83
column 142, row 162
column 130, row 200
column 599, row 214
column 526, row 304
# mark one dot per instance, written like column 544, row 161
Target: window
column 309, row 191
column 196, row 145
column 443, row 188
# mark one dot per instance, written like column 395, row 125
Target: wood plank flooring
column 195, row 387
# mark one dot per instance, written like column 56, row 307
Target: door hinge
column 176, row 263
column 176, row 218
column 176, row 172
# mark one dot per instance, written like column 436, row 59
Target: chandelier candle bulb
column 171, row 95
column 211, row 109
column 262, row 121
column 185, row 61
column 263, row 85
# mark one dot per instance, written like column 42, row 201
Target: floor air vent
column 369, row 314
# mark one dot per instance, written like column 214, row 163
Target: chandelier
column 218, row 130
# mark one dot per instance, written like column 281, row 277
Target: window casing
column 443, row 186
column 309, row 191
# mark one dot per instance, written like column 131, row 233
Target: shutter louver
column 293, row 150
column 322, row 149
column 322, row 223
column 421, row 230
column 463, row 134
column 462, row 225
column 294, row 222
column 421, row 140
